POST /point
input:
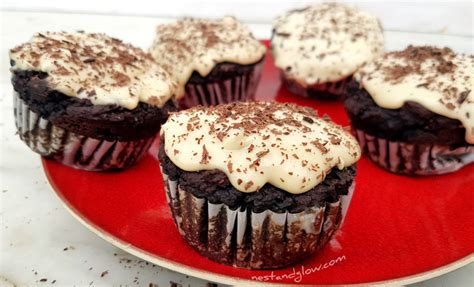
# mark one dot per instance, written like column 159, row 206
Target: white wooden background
column 449, row 17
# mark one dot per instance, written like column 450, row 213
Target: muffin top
column 436, row 78
column 199, row 45
column 256, row 143
column 95, row 67
column 325, row 42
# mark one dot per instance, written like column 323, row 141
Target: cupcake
column 87, row 100
column 413, row 110
column 213, row 61
column 318, row 48
column 257, row 185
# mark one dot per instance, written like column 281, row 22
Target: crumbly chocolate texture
column 215, row 186
column 222, row 72
column 329, row 91
column 109, row 122
column 412, row 123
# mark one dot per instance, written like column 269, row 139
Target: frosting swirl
column 259, row 142
column 436, row 78
column 325, row 42
column 96, row 67
column 198, row 45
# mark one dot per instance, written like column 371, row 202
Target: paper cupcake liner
column 236, row 89
column 72, row 149
column 324, row 91
column 246, row 239
column 414, row 159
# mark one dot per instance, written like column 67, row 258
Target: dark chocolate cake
column 411, row 110
column 110, row 122
column 327, row 92
column 223, row 71
column 410, row 123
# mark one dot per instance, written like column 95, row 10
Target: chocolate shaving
column 248, row 185
column 89, row 60
column 424, row 85
column 308, row 119
column 262, row 153
column 250, row 148
column 221, row 136
column 335, row 140
column 463, row 96
column 91, row 94
column 205, row 155
column 281, row 34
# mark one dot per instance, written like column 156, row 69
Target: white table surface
column 38, row 238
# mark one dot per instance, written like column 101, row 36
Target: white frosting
column 192, row 45
column 325, row 42
column 96, row 67
column 257, row 143
column 438, row 79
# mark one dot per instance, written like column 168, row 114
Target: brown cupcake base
column 324, row 91
column 414, row 159
column 72, row 149
column 246, row 239
column 237, row 87
column 81, row 116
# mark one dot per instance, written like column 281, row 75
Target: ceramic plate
column 398, row 229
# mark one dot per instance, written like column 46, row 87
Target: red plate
column 398, row 228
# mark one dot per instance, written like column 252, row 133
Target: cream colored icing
column 198, row 45
column 257, row 143
column 438, row 79
column 96, row 67
column 325, row 42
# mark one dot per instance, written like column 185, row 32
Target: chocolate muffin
column 213, row 61
column 87, row 100
column 413, row 110
column 257, row 185
column 318, row 48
